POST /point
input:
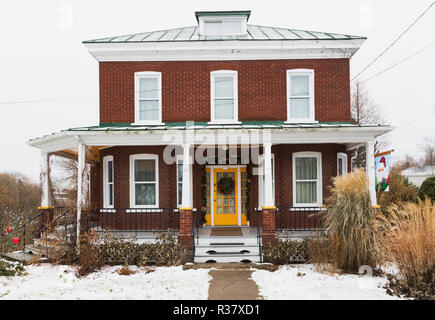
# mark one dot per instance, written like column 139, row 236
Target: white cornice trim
column 224, row 50
column 345, row 135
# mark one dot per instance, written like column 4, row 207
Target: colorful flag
column 382, row 167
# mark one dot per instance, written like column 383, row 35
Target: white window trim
column 343, row 156
column 241, row 18
column 310, row 73
column 137, row 77
column 226, row 73
column 260, row 177
column 180, row 159
column 305, row 154
column 143, row 156
column 106, row 198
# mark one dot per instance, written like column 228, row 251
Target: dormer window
column 222, row 27
column 219, row 23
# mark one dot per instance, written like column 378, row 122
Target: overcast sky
column 42, row 58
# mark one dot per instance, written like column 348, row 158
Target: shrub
column 327, row 254
column 408, row 241
column 401, row 190
column 98, row 250
column 427, row 189
column 286, row 251
column 9, row 269
column 350, row 222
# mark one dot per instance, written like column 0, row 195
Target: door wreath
column 225, row 185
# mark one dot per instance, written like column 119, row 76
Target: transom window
column 307, row 179
column 341, row 164
column 148, row 98
column 108, row 192
column 144, row 191
column 224, row 97
column 300, row 95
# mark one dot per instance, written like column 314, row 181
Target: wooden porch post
column 45, row 180
column 370, row 170
column 269, row 209
column 81, row 155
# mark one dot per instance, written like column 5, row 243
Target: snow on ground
column 303, row 282
column 59, row 282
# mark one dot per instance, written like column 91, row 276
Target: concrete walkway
column 233, row 284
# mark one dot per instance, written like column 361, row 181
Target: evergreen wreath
column 225, row 185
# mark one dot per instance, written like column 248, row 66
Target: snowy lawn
column 303, row 282
column 59, row 282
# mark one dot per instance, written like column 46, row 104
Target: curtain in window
column 300, row 97
column 148, row 99
column 306, row 180
column 145, row 182
column 224, row 97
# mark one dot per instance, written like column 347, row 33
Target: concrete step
column 227, row 258
column 203, row 250
column 206, row 241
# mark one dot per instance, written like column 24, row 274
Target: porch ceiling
column 98, row 136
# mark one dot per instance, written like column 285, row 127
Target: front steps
column 224, row 249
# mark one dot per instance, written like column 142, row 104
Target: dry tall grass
column 409, row 242
column 350, row 223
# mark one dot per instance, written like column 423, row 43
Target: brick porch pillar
column 268, row 233
column 185, row 236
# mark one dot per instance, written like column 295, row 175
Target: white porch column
column 268, row 195
column 370, row 169
column 80, row 171
column 186, row 200
column 45, row 179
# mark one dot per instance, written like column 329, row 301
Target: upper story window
column 224, row 106
column 300, row 95
column 148, row 97
column 108, row 191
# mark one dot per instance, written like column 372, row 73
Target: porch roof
column 175, row 133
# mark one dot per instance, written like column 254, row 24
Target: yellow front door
column 226, row 201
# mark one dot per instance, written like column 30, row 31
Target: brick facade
column 261, row 89
column 168, row 182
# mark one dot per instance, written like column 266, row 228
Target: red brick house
column 223, row 124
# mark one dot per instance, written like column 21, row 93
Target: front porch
column 267, row 180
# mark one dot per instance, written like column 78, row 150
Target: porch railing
column 299, row 218
column 135, row 220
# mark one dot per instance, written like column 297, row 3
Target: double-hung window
column 307, row 179
column 148, row 98
column 224, row 107
column 180, row 181
column 261, row 178
column 300, row 95
column 341, row 164
column 108, row 191
column 144, row 178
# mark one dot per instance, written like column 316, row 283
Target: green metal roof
column 204, row 125
column 255, row 32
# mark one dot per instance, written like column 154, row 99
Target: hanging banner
column 382, row 168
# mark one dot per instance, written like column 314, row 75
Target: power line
column 397, row 39
column 398, row 63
